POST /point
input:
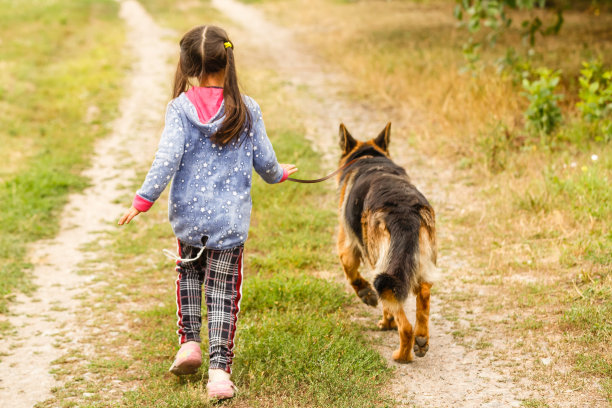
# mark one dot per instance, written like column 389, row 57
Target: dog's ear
column 347, row 142
column 382, row 140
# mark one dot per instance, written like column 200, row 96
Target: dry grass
column 534, row 217
column 409, row 57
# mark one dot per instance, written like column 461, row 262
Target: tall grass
column 58, row 91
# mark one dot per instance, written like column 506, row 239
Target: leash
column 330, row 175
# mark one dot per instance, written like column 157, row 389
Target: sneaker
column 188, row 359
column 221, row 389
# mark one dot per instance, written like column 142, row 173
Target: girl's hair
column 207, row 50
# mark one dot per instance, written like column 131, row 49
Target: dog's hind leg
column 388, row 321
column 404, row 328
column 426, row 275
column 421, row 333
column 351, row 259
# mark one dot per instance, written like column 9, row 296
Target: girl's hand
column 127, row 217
column 289, row 167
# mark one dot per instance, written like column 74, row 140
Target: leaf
column 458, row 12
column 474, row 25
column 526, row 83
column 554, row 82
column 587, row 73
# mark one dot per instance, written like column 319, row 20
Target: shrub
column 595, row 91
column 543, row 114
column 595, row 94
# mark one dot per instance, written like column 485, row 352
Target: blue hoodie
column 210, row 194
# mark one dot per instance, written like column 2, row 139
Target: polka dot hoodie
column 210, row 194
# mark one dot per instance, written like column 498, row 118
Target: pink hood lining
column 207, row 101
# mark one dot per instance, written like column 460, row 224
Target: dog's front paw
column 368, row 296
column 421, row 345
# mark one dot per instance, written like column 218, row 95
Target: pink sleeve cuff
column 141, row 204
column 285, row 176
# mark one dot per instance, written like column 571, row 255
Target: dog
column 388, row 224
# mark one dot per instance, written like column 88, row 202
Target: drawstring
column 170, row 254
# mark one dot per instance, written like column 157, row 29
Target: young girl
column 213, row 138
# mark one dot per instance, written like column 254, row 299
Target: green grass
column 295, row 346
column 59, row 89
column 185, row 15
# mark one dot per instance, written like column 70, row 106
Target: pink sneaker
column 188, row 359
column 221, row 389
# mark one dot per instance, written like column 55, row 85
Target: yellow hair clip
column 228, row 44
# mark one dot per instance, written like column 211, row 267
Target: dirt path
column 45, row 321
column 449, row 375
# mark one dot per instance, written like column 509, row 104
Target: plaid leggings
column 220, row 271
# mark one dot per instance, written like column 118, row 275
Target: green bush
column 595, row 94
column 543, row 114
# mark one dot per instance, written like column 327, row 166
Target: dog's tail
column 400, row 271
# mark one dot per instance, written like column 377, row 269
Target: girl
column 213, row 138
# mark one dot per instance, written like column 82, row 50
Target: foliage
column 595, row 94
column 595, row 91
column 543, row 114
column 493, row 16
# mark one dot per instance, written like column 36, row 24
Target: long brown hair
column 207, row 50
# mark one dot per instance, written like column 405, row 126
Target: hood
column 191, row 112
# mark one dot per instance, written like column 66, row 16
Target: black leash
column 330, row 175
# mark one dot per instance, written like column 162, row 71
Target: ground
column 454, row 373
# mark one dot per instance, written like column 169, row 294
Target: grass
column 296, row 346
column 59, row 89
column 184, row 15
column 541, row 205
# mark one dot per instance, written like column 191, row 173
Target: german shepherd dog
column 386, row 222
